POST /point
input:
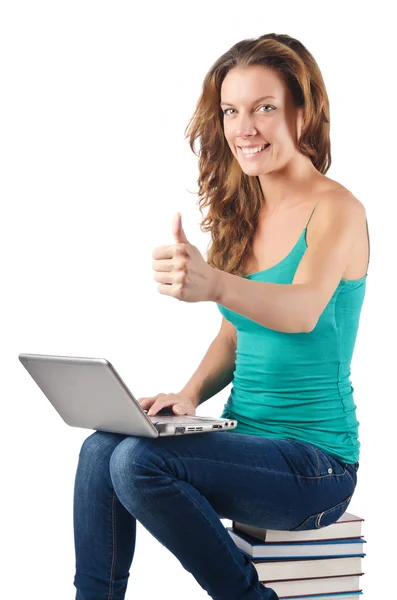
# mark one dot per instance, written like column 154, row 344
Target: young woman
column 287, row 269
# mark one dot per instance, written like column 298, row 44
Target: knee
column 93, row 461
column 96, row 451
column 132, row 464
column 99, row 444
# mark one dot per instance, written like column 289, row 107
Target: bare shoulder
column 336, row 205
column 332, row 188
column 338, row 208
column 337, row 199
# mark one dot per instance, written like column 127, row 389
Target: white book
column 302, row 569
column 347, row 526
column 354, row 596
column 326, row 585
column 257, row 549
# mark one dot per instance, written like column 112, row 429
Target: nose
column 245, row 127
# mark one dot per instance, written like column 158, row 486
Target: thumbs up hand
column 181, row 270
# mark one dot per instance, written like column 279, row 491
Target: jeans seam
column 318, row 461
column 324, row 476
column 221, row 462
column 256, row 468
column 114, row 547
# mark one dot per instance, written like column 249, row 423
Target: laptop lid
column 89, row 393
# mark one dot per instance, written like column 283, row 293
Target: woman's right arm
column 216, row 369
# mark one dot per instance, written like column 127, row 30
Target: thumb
column 177, row 229
column 178, row 409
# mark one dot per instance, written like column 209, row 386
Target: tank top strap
column 311, row 215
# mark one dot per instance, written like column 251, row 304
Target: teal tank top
column 298, row 385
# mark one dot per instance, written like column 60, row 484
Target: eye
column 267, row 105
column 263, row 106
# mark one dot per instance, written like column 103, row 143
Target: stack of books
column 321, row 563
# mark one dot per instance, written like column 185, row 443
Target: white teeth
column 253, row 150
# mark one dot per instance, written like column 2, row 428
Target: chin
column 254, row 170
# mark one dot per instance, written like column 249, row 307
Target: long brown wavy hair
column 234, row 199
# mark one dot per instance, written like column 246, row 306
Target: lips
column 264, row 147
column 257, row 146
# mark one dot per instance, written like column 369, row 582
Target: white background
column 94, row 102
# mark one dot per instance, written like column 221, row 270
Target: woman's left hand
column 181, row 270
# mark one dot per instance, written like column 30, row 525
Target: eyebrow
column 254, row 102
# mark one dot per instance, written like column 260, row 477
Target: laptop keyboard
column 181, row 419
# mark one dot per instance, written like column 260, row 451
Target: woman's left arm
column 296, row 307
column 290, row 308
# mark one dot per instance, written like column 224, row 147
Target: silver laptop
column 89, row 393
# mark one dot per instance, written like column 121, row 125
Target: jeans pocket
column 324, row 518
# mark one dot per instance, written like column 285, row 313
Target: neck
column 287, row 187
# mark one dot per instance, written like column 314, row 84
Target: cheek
column 282, row 130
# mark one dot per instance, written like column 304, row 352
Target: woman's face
column 257, row 110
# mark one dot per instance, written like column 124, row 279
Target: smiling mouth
column 265, row 147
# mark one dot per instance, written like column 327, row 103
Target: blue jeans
column 179, row 487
